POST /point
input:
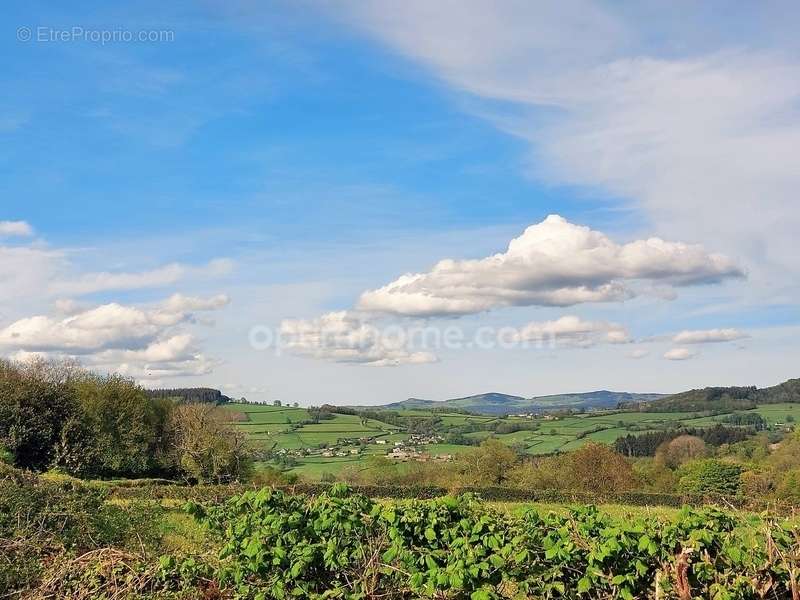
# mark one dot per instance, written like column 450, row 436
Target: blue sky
column 290, row 157
column 225, row 125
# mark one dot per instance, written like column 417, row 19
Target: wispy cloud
column 90, row 283
column 679, row 354
column 709, row 336
column 15, row 228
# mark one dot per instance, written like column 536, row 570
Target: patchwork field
column 571, row 432
column 775, row 414
column 346, row 441
column 276, row 429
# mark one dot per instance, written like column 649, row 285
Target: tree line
column 190, row 395
column 725, row 399
column 56, row 415
column 646, row 444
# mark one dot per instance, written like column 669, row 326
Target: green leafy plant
column 343, row 545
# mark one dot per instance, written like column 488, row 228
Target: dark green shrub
column 710, row 476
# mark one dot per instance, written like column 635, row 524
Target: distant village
column 401, row 450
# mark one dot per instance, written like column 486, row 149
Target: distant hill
column 492, row 402
column 727, row 398
column 495, row 403
column 191, row 395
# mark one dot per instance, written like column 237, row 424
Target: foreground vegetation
column 343, row 545
column 61, row 538
column 107, row 491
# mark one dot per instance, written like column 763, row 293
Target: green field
column 352, row 441
column 280, row 428
column 775, row 414
column 289, row 429
column 571, row 432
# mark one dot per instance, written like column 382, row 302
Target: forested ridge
column 726, row 399
column 190, row 395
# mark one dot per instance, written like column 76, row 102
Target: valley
column 296, row 441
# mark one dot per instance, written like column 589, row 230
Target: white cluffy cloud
column 708, row 336
column 15, row 228
column 570, row 330
column 142, row 342
column 345, row 337
column 679, row 354
column 553, row 263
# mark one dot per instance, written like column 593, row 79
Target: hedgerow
column 344, row 545
column 217, row 493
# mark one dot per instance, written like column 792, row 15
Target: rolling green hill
column 494, row 403
column 716, row 399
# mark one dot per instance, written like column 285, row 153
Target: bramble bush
column 344, row 545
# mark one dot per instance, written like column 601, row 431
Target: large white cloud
column 107, row 326
column 144, row 342
column 553, row 263
column 345, row 337
column 708, row 336
column 174, row 356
